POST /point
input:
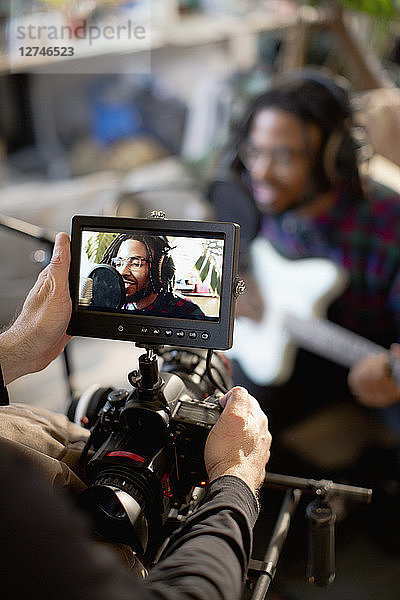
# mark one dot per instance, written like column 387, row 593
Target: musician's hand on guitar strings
column 370, row 380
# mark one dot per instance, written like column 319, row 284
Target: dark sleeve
column 209, row 553
column 45, row 550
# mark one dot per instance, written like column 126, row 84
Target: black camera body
column 148, row 449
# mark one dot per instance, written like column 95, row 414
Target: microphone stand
column 47, row 238
column 320, row 568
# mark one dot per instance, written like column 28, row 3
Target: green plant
column 209, row 264
column 97, row 244
column 376, row 8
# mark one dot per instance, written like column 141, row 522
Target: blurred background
column 132, row 118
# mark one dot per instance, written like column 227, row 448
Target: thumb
column 235, row 396
column 61, row 256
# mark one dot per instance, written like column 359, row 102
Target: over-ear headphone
column 162, row 267
column 339, row 151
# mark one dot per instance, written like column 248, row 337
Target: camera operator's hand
column 38, row 334
column 239, row 442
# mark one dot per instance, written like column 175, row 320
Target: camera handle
column 321, row 518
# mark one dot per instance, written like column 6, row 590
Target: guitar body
column 301, row 288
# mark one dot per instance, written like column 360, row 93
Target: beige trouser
column 53, row 445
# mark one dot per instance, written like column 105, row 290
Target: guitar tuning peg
column 239, row 287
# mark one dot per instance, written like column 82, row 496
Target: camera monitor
column 154, row 281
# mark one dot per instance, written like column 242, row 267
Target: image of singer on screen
column 148, row 273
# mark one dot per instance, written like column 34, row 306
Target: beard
column 140, row 294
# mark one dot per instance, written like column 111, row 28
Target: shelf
column 184, row 32
column 198, row 30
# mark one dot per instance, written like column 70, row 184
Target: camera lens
column 117, row 515
column 123, row 503
column 109, row 503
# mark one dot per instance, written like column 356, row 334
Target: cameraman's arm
column 208, row 556
column 44, row 551
column 38, row 334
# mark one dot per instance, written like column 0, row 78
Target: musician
column 291, row 175
column 148, row 273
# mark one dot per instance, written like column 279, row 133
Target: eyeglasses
column 133, row 262
column 282, row 157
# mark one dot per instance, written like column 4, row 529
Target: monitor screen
column 169, row 275
column 154, row 281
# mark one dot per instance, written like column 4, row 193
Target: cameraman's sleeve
column 46, row 552
column 207, row 557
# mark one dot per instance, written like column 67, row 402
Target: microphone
column 103, row 288
column 321, row 543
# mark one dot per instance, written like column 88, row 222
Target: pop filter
column 104, row 288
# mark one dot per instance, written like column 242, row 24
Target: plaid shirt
column 364, row 237
column 168, row 305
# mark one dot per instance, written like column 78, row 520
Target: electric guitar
column 296, row 295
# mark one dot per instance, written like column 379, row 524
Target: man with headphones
column 148, row 273
column 291, row 175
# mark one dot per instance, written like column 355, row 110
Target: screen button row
column 179, row 333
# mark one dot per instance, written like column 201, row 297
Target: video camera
column 153, row 282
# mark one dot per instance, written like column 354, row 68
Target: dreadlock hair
column 161, row 265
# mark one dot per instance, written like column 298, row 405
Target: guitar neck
column 334, row 342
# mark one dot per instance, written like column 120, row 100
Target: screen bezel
column 130, row 327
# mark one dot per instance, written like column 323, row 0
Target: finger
column 60, row 258
column 235, row 396
column 392, row 359
column 395, row 349
column 381, row 359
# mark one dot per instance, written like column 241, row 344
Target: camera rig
column 148, row 443
column 188, row 383
column 183, row 400
column 147, row 470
